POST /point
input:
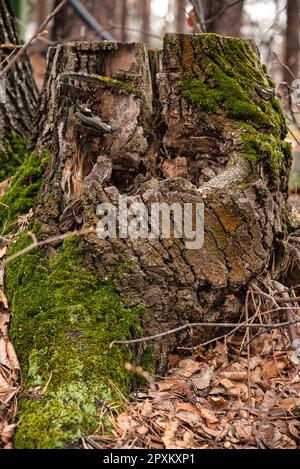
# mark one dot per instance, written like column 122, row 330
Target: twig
column 248, row 349
column 284, row 65
column 27, row 44
column 208, row 324
column 48, row 241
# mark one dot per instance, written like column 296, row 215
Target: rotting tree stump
column 196, row 123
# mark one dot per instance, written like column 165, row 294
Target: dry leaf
column 203, row 379
column 218, row 403
column 234, row 375
column 269, row 401
column 12, row 356
column 188, row 367
column 3, row 353
column 7, row 433
column 208, row 415
column 169, row 434
column 3, row 299
column 3, row 252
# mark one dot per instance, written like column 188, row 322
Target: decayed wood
column 162, row 149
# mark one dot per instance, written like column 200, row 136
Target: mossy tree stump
column 197, row 123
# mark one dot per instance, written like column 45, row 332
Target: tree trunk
column 180, row 16
column 145, row 9
column 292, row 41
column 18, row 108
column 210, row 131
column 17, row 113
column 227, row 22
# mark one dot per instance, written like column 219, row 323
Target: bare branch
column 210, row 324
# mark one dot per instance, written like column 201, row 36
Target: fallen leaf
column 3, row 252
column 208, row 415
column 234, row 375
column 3, row 299
column 203, row 379
column 12, row 356
column 218, row 403
column 169, row 434
column 188, row 367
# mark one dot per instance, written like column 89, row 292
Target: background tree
column 16, row 115
column 292, row 42
column 223, row 19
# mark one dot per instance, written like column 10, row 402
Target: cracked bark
column 18, row 112
column 245, row 216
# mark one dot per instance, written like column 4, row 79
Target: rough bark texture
column 208, row 130
column 17, row 114
column 292, row 45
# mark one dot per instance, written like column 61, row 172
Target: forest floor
column 240, row 390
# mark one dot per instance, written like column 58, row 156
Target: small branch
column 36, row 244
column 27, row 44
column 208, row 324
column 293, row 332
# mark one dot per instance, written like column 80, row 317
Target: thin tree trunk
column 145, row 8
column 180, row 16
column 292, row 49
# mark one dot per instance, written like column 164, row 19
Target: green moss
column 148, row 358
column 260, row 147
column 118, row 84
column 228, row 79
column 20, row 197
column 64, row 319
column 12, row 154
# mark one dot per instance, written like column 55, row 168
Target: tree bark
column 292, row 48
column 209, row 131
column 19, row 110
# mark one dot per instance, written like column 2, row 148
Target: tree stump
column 197, row 123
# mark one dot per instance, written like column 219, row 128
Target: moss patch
column 118, row 85
column 64, row 319
column 12, row 154
column 260, row 147
column 21, row 195
column 225, row 78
